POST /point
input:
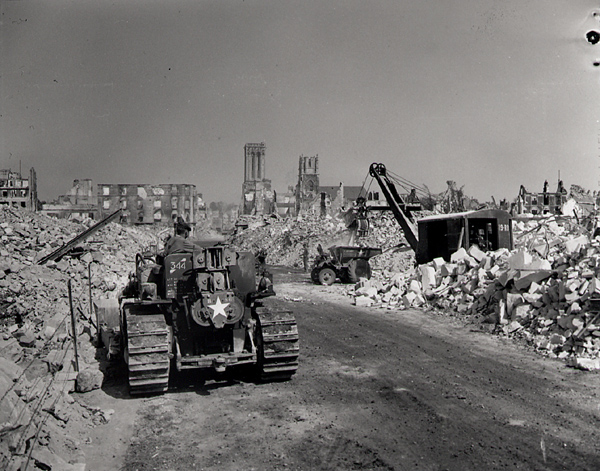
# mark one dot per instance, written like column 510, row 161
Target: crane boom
column 397, row 205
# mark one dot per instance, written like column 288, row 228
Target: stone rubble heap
column 37, row 367
column 283, row 240
column 544, row 291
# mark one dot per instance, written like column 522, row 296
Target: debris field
column 545, row 291
column 37, row 359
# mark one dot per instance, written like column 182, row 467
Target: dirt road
column 376, row 389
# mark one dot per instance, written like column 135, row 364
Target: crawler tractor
column 205, row 309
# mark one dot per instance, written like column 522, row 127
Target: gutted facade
column 150, row 204
column 79, row 203
column 546, row 202
column 17, row 191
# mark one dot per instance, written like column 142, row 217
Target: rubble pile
column 547, row 290
column 283, row 240
column 37, row 364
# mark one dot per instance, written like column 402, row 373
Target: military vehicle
column 204, row 309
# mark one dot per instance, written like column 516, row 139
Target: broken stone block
column 55, row 359
column 534, row 288
column 63, row 265
column 11, row 350
column 462, row 307
column 448, row 269
column 45, row 459
column 565, row 322
column 409, row 298
column 10, row 369
column 363, row 301
column 27, row 339
column 557, row 339
column 51, row 264
column 89, row 379
column 519, row 260
column 14, row 413
column 584, row 363
column 414, row 287
column 505, row 276
column 419, row 300
column 534, row 299
column 522, row 311
column 368, row 291
column 459, row 255
column 361, row 283
column 542, row 249
column 512, row 300
column 487, row 263
column 576, row 244
column 427, row 277
column 475, row 252
column 583, row 288
column 438, row 263
column 524, row 282
column 502, row 315
column 594, row 286
column 87, row 258
column 49, row 332
column 513, row 327
column 571, row 297
column 574, row 308
column 66, row 378
column 538, row 264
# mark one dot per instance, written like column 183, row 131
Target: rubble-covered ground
column 41, row 424
column 283, row 240
column 546, row 291
column 543, row 292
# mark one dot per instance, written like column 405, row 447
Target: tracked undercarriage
column 203, row 310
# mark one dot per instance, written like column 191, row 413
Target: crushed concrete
column 546, row 291
column 283, row 240
column 37, row 364
column 543, row 292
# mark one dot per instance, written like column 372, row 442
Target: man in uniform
column 179, row 242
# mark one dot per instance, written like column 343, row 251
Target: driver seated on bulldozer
column 179, row 242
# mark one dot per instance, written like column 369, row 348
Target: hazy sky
column 489, row 93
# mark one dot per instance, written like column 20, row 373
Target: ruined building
column 17, row 191
column 151, row 204
column 546, row 202
column 257, row 196
column 307, row 188
column 313, row 198
column 79, row 203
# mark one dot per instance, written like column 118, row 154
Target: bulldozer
column 208, row 309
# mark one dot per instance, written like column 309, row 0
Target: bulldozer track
column 278, row 359
column 147, row 351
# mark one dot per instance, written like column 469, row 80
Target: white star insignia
column 218, row 309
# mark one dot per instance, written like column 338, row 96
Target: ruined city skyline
column 491, row 96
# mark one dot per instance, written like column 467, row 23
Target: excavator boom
column 397, row 205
